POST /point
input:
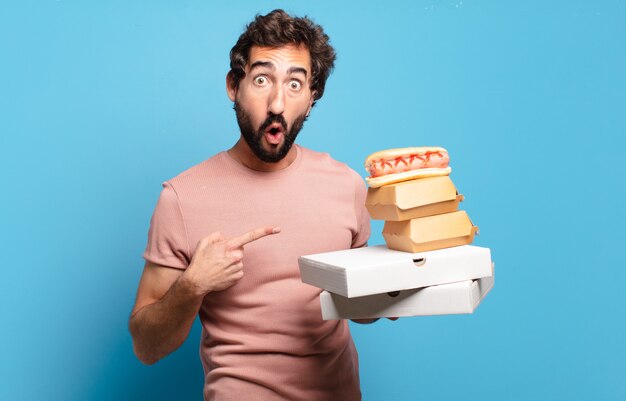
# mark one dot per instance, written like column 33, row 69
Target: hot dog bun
column 403, row 164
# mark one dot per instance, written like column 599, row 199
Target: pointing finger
column 253, row 235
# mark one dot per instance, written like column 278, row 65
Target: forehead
column 282, row 57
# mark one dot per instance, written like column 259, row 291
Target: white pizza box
column 445, row 299
column 378, row 269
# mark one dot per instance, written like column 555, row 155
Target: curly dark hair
column 278, row 29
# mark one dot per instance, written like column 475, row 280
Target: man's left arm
column 363, row 230
column 363, row 227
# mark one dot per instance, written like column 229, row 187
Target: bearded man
column 226, row 234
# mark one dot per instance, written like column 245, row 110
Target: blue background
column 102, row 101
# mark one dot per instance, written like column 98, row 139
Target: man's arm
column 168, row 299
column 164, row 311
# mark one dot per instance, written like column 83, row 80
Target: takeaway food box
column 428, row 266
column 378, row 269
column 413, row 199
column 446, row 299
column 430, row 232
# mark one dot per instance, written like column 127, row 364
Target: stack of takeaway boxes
column 427, row 267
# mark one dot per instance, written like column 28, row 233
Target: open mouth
column 274, row 134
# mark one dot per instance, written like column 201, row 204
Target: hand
column 365, row 321
column 217, row 263
column 370, row 321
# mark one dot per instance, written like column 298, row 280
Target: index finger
column 253, row 235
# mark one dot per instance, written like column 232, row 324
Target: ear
column 231, row 88
column 311, row 100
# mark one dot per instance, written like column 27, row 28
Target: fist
column 218, row 262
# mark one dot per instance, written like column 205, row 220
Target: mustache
column 274, row 118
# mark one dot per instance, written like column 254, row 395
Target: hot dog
column 403, row 164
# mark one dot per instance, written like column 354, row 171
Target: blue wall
column 102, row 101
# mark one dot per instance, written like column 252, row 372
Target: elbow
column 141, row 352
column 144, row 357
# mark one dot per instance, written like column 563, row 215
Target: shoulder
column 198, row 173
column 324, row 162
column 328, row 175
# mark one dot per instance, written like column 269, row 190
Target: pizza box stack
column 427, row 267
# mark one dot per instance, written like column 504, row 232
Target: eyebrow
column 294, row 70
column 266, row 64
column 270, row 65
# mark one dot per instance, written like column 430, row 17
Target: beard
column 254, row 137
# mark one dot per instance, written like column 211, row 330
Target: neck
column 244, row 155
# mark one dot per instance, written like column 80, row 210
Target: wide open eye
column 295, row 85
column 260, row 80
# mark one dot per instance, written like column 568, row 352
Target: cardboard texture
column 456, row 298
column 377, row 269
column 412, row 199
column 430, row 233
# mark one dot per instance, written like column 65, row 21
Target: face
column 273, row 99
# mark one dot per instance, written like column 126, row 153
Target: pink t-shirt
column 264, row 337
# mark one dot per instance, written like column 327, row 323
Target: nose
column 277, row 100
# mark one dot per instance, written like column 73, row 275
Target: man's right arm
column 164, row 311
column 169, row 299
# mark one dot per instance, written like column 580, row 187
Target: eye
column 295, row 85
column 261, row 80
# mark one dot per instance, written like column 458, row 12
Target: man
column 226, row 234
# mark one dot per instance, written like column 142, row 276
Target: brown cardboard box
column 430, row 233
column 412, row 199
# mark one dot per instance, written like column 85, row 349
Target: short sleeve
column 167, row 238
column 362, row 215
